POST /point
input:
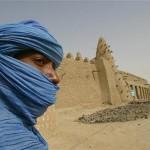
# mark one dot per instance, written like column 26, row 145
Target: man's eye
column 39, row 61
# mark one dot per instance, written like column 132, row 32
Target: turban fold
column 25, row 93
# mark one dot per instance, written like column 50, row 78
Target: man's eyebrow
column 39, row 55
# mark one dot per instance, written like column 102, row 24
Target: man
column 29, row 56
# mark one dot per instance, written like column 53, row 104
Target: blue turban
column 25, row 35
column 25, row 93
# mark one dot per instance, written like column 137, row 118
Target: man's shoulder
column 14, row 135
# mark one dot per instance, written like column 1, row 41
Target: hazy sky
column 77, row 25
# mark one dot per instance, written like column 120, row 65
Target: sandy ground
column 72, row 135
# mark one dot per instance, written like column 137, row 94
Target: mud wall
column 93, row 82
column 79, row 83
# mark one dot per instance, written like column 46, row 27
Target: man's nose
column 51, row 73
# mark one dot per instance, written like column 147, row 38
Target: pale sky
column 77, row 25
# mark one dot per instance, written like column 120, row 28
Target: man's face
column 40, row 62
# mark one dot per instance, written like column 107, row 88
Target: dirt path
column 72, row 135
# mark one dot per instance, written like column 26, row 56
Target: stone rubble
column 132, row 111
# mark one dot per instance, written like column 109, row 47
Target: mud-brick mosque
column 97, row 81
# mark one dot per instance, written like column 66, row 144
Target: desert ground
column 70, row 134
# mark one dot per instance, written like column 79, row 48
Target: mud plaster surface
column 72, row 135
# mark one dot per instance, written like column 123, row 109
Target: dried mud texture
column 132, row 111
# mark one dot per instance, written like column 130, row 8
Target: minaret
column 106, row 66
